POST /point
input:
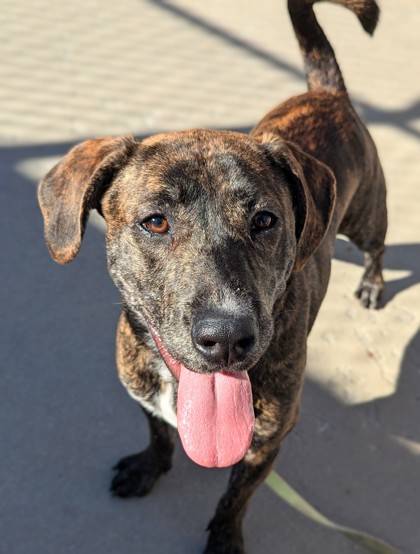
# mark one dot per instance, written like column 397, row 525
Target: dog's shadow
column 65, row 420
column 361, row 464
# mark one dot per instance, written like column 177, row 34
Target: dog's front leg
column 225, row 529
column 136, row 474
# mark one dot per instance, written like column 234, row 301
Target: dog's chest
column 163, row 403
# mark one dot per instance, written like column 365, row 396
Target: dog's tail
column 322, row 69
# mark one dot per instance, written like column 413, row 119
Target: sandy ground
column 80, row 69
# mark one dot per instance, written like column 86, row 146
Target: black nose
column 223, row 339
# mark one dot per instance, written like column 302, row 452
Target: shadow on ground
column 65, row 420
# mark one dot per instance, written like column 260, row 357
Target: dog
column 220, row 244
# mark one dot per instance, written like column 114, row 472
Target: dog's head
column 204, row 230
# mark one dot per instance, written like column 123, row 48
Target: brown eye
column 263, row 221
column 157, row 224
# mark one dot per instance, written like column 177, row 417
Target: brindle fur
column 310, row 161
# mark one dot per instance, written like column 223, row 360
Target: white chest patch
column 161, row 405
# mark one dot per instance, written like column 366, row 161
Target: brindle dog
column 234, row 233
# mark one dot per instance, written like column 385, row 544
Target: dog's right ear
column 76, row 185
column 313, row 188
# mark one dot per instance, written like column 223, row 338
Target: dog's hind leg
column 137, row 474
column 366, row 225
column 371, row 285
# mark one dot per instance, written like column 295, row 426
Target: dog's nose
column 223, row 339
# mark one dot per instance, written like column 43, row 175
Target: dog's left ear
column 313, row 189
column 76, row 185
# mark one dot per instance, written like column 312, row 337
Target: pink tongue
column 215, row 416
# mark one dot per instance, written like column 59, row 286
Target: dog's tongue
column 214, row 412
column 215, row 416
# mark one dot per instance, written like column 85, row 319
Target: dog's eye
column 157, row 224
column 263, row 221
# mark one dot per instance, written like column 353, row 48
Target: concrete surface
column 78, row 69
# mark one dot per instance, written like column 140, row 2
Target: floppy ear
column 74, row 186
column 313, row 188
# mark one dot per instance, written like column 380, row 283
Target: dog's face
column 200, row 237
column 204, row 229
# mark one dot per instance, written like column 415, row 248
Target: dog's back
column 324, row 123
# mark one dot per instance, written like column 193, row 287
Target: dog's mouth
column 214, row 411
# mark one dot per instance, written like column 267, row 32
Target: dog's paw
column 222, row 546
column 137, row 474
column 224, row 539
column 369, row 292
